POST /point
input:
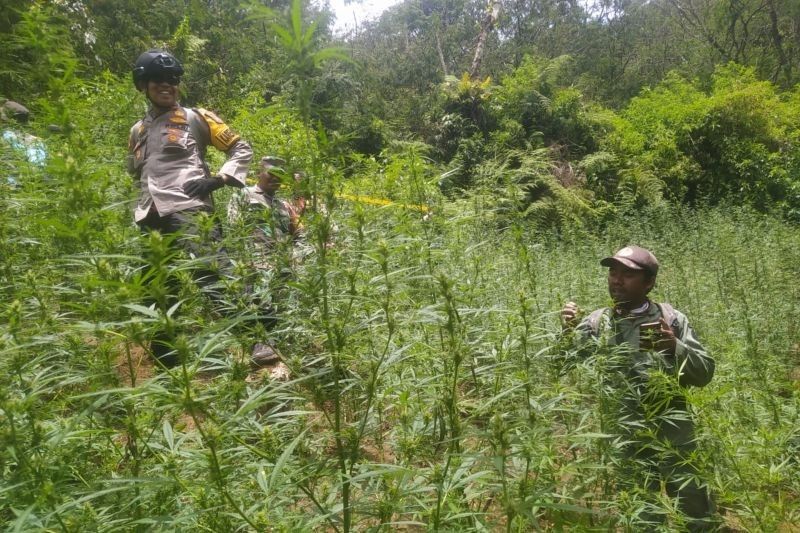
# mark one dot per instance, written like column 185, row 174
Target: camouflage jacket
column 274, row 219
column 691, row 364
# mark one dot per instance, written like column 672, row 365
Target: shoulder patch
column 210, row 115
column 222, row 137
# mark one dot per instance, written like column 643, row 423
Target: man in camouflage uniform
column 166, row 155
column 275, row 221
column 659, row 355
column 275, row 245
column 274, row 230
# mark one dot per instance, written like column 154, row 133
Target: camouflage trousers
column 198, row 234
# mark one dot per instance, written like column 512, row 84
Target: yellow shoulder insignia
column 222, row 137
column 210, row 115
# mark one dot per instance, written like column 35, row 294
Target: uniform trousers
column 199, row 237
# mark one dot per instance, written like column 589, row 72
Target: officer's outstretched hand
column 569, row 315
column 202, row 187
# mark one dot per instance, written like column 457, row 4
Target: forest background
column 475, row 160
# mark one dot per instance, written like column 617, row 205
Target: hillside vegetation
column 452, row 216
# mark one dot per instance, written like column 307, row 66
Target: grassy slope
column 425, row 386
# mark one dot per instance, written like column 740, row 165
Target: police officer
column 166, row 155
column 651, row 338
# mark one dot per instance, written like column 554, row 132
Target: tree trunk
column 777, row 40
column 488, row 25
column 441, row 55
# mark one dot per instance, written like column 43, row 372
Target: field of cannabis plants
column 428, row 388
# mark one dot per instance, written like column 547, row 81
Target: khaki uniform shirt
column 167, row 150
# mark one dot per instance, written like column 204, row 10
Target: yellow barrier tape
column 382, row 201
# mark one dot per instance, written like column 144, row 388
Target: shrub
column 735, row 143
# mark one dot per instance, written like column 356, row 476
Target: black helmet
column 155, row 64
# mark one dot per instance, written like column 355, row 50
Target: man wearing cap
column 166, row 156
column 274, row 225
column 275, row 220
column 651, row 341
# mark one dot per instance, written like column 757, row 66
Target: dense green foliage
column 450, row 219
column 582, row 81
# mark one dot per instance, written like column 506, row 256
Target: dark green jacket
column 654, row 380
column 691, row 363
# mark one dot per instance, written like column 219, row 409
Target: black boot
column 162, row 351
column 263, row 355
